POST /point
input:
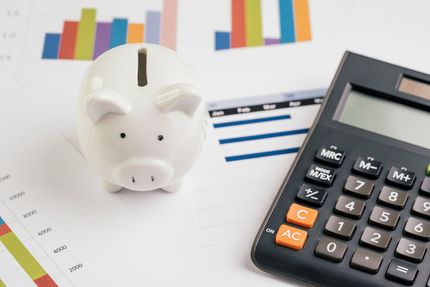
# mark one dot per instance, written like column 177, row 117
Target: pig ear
column 105, row 101
column 179, row 97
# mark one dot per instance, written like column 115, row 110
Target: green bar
column 86, row 35
column 2, row 284
column 22, row 256
column 254, row 26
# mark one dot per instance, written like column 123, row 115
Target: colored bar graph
column 286, row 20
column 68, row 40
column 238, row 32
column 52, row 43
column 103, row 33
column 152, row 33
column 135, row 33
column 118, row 34
column 21, row 254
column 87, row 39
column 247, row 25
column 169, row 23
column 86, row 35
column 253, row 22
column 302, row 20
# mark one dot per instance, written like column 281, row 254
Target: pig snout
column 144, row 174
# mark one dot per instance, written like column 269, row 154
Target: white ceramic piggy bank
column 141, row 121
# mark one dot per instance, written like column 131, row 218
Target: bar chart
column 24, row 258
column 247, row 29
column 88, row 38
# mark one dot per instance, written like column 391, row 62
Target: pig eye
column 160, row 137
column 122, row 135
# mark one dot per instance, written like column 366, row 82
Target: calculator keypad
column 349, row 206
column 384, row 218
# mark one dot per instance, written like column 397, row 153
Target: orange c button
column 291, row 237
column 302, row 216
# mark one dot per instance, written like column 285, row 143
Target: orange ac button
column 302, row 216
column 291, row 237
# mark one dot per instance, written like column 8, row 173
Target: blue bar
column 118, row 34
column 261, row 154
column 251, row 121
column 263, row 136
column 51, row 46
column 286, row 19
column 152, row 27
column 222, row 40
column 2, row 221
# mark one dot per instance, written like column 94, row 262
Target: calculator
column 354, row 209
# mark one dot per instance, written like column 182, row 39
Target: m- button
column 321, row 175
column 330, row 156
column 367, row 167
column 302, row 216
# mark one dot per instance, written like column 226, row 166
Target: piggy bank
column 141, row 120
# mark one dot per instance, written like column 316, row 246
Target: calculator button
column 400, row 177
column 340, row 227
column 418, row 228
column 384, row 218
column 291, row 237
column 321, row 175
column 375, row 238
column 358, row 186
column 428, row 170
column 330, row 249
column 410, row 250
column 369, row 168
column 401, row 272
column 393, row 197
column 330, row 156
column 425, row 186
column 366, row 260
column 302, row 216
column 421, row 207
column 311, row 195
column 349, row 206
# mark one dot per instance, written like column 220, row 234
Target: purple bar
column 271, row 41
column 102, row 44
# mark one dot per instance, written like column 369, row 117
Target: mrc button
column 401, row 177
column 320, row 175
column 367, row 167
column 330, row 156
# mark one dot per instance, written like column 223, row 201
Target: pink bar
column 168, row 23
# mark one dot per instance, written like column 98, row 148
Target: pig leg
column 174, row 187
column 110, row 187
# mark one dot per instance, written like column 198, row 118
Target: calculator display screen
column 387, row 118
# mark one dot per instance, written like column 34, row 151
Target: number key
column 410, row 250
column 339, row 227
column 393, row 197
column 359, row 186
column 375, row 238
column 421, row 207
column 418, row 228
column 425, row 186
column 330, row 249
column 349, row 206
column 384, row 218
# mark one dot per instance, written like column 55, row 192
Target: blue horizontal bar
column 263, row 136
column 261, row 154
column 251, row 121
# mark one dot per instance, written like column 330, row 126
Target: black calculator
column 354, row 210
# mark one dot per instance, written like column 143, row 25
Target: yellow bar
column 2, row 284
column 22, row 256
column 253, row 22
column 135, row 33
column 86, row 35
column 302, row 20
